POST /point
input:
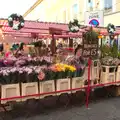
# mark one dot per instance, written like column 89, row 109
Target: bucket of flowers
column 29, row 81
column 46, row 83
column 63, row 74
column 10, row 86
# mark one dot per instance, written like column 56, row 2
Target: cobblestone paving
column 106, row 109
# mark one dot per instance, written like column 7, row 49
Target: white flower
column 5, row 73
column 76, row 28
column 29, row 71
column 18, row 15
column 15, row 26
column 72, row 28
column 10, row 19
column 38, row 70
column 20, row 71
column 79, row 22
column 72, row 21
column 22, row 24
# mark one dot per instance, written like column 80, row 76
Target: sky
column 8, row 7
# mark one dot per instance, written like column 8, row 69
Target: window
column 108, row 5
column 90, row 5
column 75, row 11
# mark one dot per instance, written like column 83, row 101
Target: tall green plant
column 114, row 50
column 106, row 51
column 110, row 51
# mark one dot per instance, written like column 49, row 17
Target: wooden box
column 107, row 74
column 29, row 89
column 46, row 87
column 95, row 70
column 9, row 91
column 118, row 75
column 77, row 82
column 63, row 84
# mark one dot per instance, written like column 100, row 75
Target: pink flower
column 53, row 68
column 41, row 75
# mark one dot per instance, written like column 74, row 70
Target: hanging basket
column 91, row 36
column 74, row 26
column 111, row 28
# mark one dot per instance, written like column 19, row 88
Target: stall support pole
column 88, row 87
column 53, row 44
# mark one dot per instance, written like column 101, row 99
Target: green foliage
column 110, row 51
column 91, row 36
column 114, row 50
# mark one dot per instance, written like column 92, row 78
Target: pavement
column 107, row 108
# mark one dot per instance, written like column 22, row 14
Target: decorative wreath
column 16, row 17
column 74, row 26
column 111, row 28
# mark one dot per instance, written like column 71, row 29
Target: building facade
column 62, row 11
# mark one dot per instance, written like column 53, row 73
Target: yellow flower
column 72, row 68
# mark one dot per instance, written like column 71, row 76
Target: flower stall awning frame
column 42, row 29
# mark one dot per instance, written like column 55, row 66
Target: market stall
column 41, row 72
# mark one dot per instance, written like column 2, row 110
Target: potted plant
column 91, row 36
column 109, row 63
column 29, row 82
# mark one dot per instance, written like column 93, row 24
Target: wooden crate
column 118, row 75
column 8, row 91
column 63, row 84
column 85, row 77
column 29, row 89
column 107, row 74
column 77, row 82
column 47, row 86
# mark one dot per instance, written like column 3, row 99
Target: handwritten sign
column 90, row 50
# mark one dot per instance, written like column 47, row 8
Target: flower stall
column 36, row 70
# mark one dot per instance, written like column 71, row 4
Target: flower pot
column 62, row 85
column 9, row 91
column 47, row 87
column 107, row 74
column 118, row 75
column 77, row 82
column 29, row 89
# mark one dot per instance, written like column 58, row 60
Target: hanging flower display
column 16, row 18
column 74, row 26
column 111, row 28
column 91, row 36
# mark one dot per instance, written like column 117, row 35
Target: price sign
column 90, row 50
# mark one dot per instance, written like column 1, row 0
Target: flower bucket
column 63, row 84
column 9, row 91
column 77, row 82
column 46, row 87
column 29, row 89
column 107, row 74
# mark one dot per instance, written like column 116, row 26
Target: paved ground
column 104, row 109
